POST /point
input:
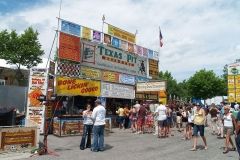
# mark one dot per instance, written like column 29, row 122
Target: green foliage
column 205, row 84
column 21, row 50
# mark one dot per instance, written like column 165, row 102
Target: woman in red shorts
column 141, row 119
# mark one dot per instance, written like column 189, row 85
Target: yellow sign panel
column 121, row 34
column 73, row 86
column 231, row 81
column 153, row 68
column 237, row 81
column 238, row 95
column 91, row 73
column 86, row 33
column 231, row 95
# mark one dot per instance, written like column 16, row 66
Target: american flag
column 160, row 37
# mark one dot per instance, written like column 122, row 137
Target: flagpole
column 103, row 21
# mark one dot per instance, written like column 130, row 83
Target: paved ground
column 123, row 145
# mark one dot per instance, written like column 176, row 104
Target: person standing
column 141, row 119
column 98, row 116
column 199, row 120
column 120, row 113
column 228, row 129
column 133, row 118
column 213, row 112
column 236, row 122
column 87, row 129
column 161, row 111
column 126, row 117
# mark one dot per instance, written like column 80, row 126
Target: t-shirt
column 161, row 110
column 87, row 117
column 213, row 112
column 120, row 112
column 199, row 117
column 98, row 115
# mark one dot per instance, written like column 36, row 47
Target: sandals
column 193, row 149
column 225, row 152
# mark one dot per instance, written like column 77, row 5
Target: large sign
column 231, row 95
column 151, row 86
column 74, row 86
column 117, row 91
column 153, row 68
column 108, row 58
column 69, row 47
column 231, row 81
column 124, row 35
column 37, row 87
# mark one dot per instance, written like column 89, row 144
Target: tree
column 21, row 50
column 205, row 84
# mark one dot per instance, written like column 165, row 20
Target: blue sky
column 197, row 33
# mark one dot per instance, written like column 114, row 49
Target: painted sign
column 117, row 91
column 151, row 86
column 117, row 32
column 231, row 95
column 91, row 73
column 108, row 58
column 234, row 69
column 86, row 33
column 115, row 42
column 107, row 39
column 74, row 86
column 69, row 47
column 127, row 79
column 96, row 36
column 238, row 95
column 237, row 81
column 141, row 79
column 37, row 115
column 231, row 81
column 110, row 76
column 153, row 68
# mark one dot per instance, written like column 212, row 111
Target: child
column 149, row 122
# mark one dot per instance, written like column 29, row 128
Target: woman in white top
column 228, row 129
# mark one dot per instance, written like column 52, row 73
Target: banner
column 237, row 81
column 37, row 87
column 86, row 33
column 238, row 95
column 108, row 58
column 91, row 73
column 151, row 86
column 124, row 46
column 153, row 68
column 117, row 91
column 231, row 82
column 127, row 36
column 107, row 39
column 115, row 42
column 73, row 87
column 69, row 47
column 96, row 36
column 150, row 54
column 110, row 76
column 231, row 95
column 127, row 79
column 130, row 48
column 70, row 28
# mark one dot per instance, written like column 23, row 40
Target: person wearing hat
column 199, row 119
column 98, row 116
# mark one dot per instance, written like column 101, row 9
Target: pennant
column 116, row 42
column 96, row 36
column 86, row 33
column 107, row 39
column 70, row 28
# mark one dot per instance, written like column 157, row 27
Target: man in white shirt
column 162, row 120
column 98, row 116
column 236, row 106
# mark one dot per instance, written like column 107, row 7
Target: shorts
column 169, row 121
column 179, row 119
column 198, row 128
column 162, row 123
column 120, row 119
column 190, row 124
column 225, row 129
column 140, row 121
column 184, row 124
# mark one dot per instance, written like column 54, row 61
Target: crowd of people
column 186, row 118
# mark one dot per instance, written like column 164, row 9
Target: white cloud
column 197, row 34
